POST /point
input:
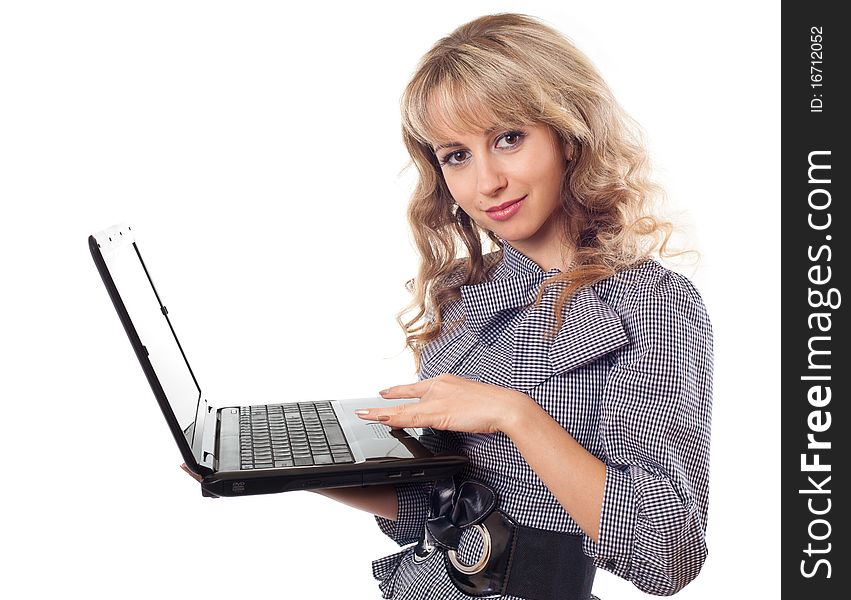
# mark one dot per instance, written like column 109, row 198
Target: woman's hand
column 450, row 403
column 196, row 476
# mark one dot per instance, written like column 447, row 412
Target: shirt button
column 611, row 564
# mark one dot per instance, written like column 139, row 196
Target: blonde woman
column 572, row 368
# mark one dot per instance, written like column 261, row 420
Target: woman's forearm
column 379, row 500
column 574, row 476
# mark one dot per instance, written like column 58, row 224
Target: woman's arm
column 379, row 500
column 400, row 509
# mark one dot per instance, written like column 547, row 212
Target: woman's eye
column 506, row 141
column 454, row 158
column 511, row 139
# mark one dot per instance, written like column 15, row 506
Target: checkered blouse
column 629, row 376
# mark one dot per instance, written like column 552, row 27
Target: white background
column 255, row 149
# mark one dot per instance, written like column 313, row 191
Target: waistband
column 527, row 562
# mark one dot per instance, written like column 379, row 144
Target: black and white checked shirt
column 629, row 376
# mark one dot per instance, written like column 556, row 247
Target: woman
column 572, row 369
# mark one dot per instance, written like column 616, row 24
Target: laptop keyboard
column 291, row 435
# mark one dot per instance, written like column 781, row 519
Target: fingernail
column 384, row 418
column 362, row 411
column 384, row 391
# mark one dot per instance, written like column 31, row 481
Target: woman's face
column 508, row 181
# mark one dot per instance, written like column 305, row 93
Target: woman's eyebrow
column 488, row 131
column 448, row 145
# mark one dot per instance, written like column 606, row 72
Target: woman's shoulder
column 649, row 291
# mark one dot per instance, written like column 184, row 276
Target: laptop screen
column 151, row 322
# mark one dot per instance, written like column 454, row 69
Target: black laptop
column 263, row 448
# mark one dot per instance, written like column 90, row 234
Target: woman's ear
column 568, row 151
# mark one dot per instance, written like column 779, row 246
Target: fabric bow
column 590, row 327
column 514, row 284
column 486, row 304
column 451, row 510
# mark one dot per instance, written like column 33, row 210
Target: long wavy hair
column 509, row 70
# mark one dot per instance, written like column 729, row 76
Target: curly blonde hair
column 513, row 69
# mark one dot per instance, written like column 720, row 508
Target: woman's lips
column 507, row 211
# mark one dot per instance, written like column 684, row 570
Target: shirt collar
column 517, row 263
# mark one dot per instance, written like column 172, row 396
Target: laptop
column 242, row 450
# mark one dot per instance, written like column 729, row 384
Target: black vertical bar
column 816, row 369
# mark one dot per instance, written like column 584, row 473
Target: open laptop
column 255, row 449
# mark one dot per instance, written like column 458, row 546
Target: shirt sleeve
column 412, row 508
column 655, row 427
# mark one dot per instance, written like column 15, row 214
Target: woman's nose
column 490, row 178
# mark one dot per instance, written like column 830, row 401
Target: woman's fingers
column 371, row 414
column 194, row 475
column 446, row 402
column 400, row 412
column 424, row 413
column 402, row 415
column 410, row 390
column 376, row 414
